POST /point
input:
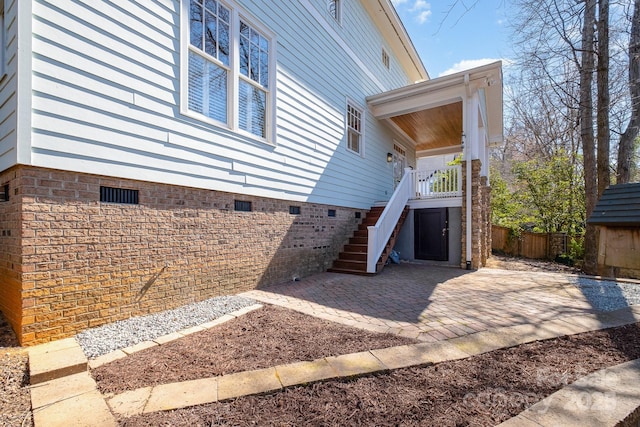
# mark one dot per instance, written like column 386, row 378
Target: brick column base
column 480, row 216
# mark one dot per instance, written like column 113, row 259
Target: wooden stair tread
column 357, row 246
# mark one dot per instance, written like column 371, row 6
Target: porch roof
column 430, row 113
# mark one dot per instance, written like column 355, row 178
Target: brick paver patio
column 431, row 303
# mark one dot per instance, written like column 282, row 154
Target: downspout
column 467, row 156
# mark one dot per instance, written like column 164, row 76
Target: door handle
column 444, row 232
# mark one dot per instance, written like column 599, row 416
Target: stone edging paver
column 215, row 389
column 55, row 360
column 68, row 400
column 73, row 400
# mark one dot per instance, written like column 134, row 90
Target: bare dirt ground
column 525, row 264
column 15, row 403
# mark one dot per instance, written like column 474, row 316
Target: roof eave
column 386, row 18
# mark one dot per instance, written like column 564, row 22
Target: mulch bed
column 263, row 338
column 482, row 390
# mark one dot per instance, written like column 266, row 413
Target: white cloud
column 423, row 16
column 467, row 64
column 420, row 5
column 420, row 9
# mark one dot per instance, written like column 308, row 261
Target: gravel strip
column 107, row 338
column 607, row 295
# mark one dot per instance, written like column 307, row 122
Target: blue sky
column 473, row 33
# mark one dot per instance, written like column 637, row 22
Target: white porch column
column 470, row 123
column 483, row 151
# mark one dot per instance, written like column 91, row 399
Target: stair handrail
column 380, row 233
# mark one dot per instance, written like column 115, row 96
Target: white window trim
column 3, row 40
column 237, row 14
column 399, row 149
column 361, row 109
column 337, row 19
column 384, row 55
column 400, row 146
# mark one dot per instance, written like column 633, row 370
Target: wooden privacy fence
column 528, row 245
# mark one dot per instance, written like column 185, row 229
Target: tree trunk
column 603, row 97
column 586, row 131
column 626, row 146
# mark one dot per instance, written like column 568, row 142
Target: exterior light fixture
column 389, row 157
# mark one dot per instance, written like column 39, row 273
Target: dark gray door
column 432, row 234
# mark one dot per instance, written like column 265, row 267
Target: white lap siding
column 106, row 100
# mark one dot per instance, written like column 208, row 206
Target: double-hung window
column 253, row 80
column 229, row 68
column 354, row 128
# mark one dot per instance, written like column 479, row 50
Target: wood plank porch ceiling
column 436, row 127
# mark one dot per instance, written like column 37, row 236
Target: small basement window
column 242, row 206
column 118, row 195
column 4, row 193
column 294, row 210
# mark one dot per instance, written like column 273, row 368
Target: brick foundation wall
column 85, row 263
column 10, row 251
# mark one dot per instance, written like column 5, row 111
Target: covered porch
column 450, row 122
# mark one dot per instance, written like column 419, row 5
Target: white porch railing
column 437, row 184
column 380, row 233
column 415, row 184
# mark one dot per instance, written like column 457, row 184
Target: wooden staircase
column 353, row 258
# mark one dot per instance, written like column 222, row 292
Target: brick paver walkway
column 505, row 308
column 431, row 303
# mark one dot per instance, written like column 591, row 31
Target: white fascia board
column 411, row 102
column 416, row 89
column 451, row 202
column 487, row 75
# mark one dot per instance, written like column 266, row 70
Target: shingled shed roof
column 618, row 206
